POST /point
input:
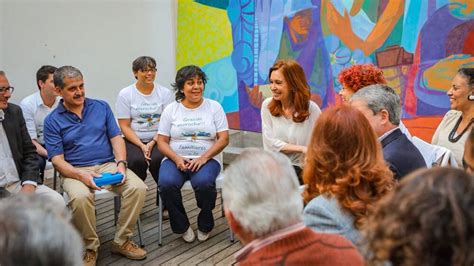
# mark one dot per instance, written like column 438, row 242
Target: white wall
column 1, row 34
column 100, row 37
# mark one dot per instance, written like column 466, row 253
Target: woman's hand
column 182, row 163
column 145, row 151
column 304, row 149
column 195, row 164
column 149, row 149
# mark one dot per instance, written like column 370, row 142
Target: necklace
column 451, row 137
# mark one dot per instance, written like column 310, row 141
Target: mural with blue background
column 419, row 44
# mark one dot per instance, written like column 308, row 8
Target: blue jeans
column 204, row 184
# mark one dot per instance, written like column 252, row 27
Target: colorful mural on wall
column 419, row 44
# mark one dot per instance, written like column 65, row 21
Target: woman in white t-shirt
column 288, row 116
column 139, row 107
column 192, row 132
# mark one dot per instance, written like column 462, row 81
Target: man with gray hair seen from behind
column 34, row 232
column 380, row 104
column 263, row 206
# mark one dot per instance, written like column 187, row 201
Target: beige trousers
column 81, row 202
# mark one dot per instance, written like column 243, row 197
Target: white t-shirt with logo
column 193, row 131
column 143, row 110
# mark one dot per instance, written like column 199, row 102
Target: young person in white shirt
column 288, row 116
column 192, row 132
column 36, row 107
column 139, row 108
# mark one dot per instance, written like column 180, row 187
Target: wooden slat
column 228, row 251
column 210, row 251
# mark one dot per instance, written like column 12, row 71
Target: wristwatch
column 125, row 163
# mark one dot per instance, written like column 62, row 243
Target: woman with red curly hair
column 356, row 77
column 345, row 173
column 288, row 116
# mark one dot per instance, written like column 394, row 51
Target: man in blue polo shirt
column 83, row 140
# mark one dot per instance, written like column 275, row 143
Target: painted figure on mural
column 417, row 44
column 280, row 30
column 348, row 21
column 441, row 49
column 303, row 41
column 357, row 29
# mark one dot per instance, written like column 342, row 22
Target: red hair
column 358, row 76
column 300, row 92
column 345, row 160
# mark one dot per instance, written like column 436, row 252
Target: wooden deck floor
column 217, row 250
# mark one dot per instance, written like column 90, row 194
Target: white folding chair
column 187, row 186
column 434, row 155
column 107, row 194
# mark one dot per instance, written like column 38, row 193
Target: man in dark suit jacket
column 381, row 105
column 18, row 163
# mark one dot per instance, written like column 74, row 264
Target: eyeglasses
column 3, row 90
column 153, row 70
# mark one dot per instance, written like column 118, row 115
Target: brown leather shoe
column 89, row 258
column 129, row 249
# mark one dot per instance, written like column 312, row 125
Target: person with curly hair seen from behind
column 356, row 77
column 345, row 173
column 427, row 220
column 192, row 133
column 288, row 116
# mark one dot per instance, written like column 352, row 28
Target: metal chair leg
column 160, row 218
column 116, row 209
column 222, row 205
column 139, row 227
column 55, row 176
column 231, row 234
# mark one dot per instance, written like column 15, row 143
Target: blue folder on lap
column 108, row 179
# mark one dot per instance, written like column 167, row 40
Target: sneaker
column 89, row 258
column 202, row 236
column 189, row 236
column 129, row 249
